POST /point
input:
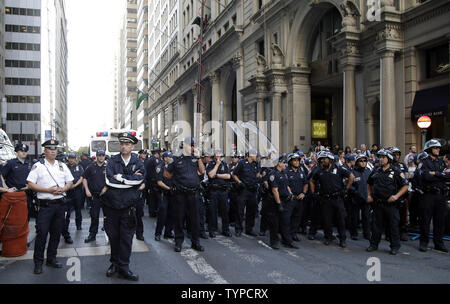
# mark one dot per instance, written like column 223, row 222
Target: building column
column 215, row 99
column 238, row 66
column 349, row 106
column 387, row 100
column 170, row 122
column 277, row 137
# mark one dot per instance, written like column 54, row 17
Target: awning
column 431, row 102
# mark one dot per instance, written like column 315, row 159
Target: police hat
column 51, row 144
column 156, row 150
column 85, row 154
column 350, row 157
column 72, row 155
column 252, row 152
column 300, row 153
column 167, row 154
column 282, row 159
column 100, row 152
column 308, row 161
column 127, row 138
column 142, row 152
column 21, row 147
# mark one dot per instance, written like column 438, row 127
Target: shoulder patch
column 402, row 175
column 158, row 170
column 272, row 178
column 34, row 167
column 264, row 173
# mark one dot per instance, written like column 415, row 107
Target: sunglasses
column 362, row 161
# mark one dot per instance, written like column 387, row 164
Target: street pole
column 424, row 137
column 198, row 119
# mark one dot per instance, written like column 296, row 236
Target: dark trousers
column 246, row 200
column 385, row 214
column 315, row 215
column 139, row 214
column 432, row 206
column 357, row 205
column 165, row 215
column 264, row 222
column 413, row 205
column 154, row 197
column 94, row 212
column 297, row 215
column 73, row 203
column 49, row 220
column 280, row 221
column 333, row 209
column 403, row 212
column 120, row 226
column 218, row 204
column 190, row 202
column 203, row 207
column 233, row 206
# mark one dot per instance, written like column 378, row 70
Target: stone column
column 277, row 117
column 349, row 106
column 387, row 102
column 238, row 66
column 215, row 100
column 170, row 122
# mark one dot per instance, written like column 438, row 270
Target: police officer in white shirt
column 50, row 179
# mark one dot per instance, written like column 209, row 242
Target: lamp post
column 424, row 122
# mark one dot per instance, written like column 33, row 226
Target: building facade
column 343, row 72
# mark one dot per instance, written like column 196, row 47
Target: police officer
column 125, row 182
column 233, row 193
column 84, row 162
column 185, row 171
column 219, row 176
column 204, row 197
column 433, row 204
column 386, row 185
column 359, row 198
column 165, row 210
column 331, row 179
column 142, row 154
column 396, row 153
column 417, row 192
column 298, row 183
column 15, row 172
column 267, row 165
column 348, row 199
column 315, row 205
column 50, row 179
column 246, row 175
column 73, row 196
column 94, row 181
column 281, row 208
column 154, row 193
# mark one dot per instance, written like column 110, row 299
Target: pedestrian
column 219, row 177
column 165, row 211
column 412, row 152
column 73, row 197
column 434, row 175
column 386, row 185
column 246, row 174
column 50, row 179
column 280, row 210
column 185, row 171
column 94, row 181
column 347, row 150
column 125, row 182
column 332, row 190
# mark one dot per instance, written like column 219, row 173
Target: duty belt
column 186, row 189
column 47, row 202
column 219, row 187
column 434, row 190
column 332, row 195
column 381, row 202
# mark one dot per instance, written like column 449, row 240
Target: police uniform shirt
column 85, row 163
column 360, row 182
column 77, row 172
column 185, row 172
column 296, row 180
column 279, row 180
column 40, row 176
column 223, row 169
column 247, row 172
column 95, row 176
column 401, row 167
column 438, row 166
column 387, row 182
column 15, row 173
column 150, row 168
column 331, row 181
column 160, row 174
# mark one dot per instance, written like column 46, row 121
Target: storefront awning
column 431, row 102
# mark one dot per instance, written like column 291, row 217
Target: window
column 22, row 11
column 219, row 33
column 23, row 64
column 23, row 81
column 260, row 49
column 22, row 28
column 225, row 26
column 233, row 19
column 435, row 59
column 275, row 38
column 23, row 99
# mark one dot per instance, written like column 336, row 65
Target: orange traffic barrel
column 13, row 224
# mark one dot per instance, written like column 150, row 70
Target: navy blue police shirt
column 400, row 166
column 296, row 179
column 15, row 173
column 331, row 181
column 185, row 172
column 223, row 169
column 160, row 174
column 95, row 177
column 85, row 163
column 386, row 183
column 247, row 172
column 433, row 165
column 151, row 164
column 77, row 172
column 360, row 183
column 279, row 180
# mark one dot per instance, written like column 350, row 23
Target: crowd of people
column 363, row 193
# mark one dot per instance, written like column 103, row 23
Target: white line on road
column 279, row 278
column 201, row 267
column 264, row 244
column 253, row 259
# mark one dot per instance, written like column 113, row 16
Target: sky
column 92, row 39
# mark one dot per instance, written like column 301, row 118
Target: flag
column 141, row 96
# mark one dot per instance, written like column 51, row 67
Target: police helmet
column 385, row 152
column 72, row 155
column 308, row 161
column 21, row 147
column 325, row 154
column 350, row 157
column 432, row 143
column 421, row 156
column 360, row 156
column 293, row 156
column 396, row 150
column 300, row 153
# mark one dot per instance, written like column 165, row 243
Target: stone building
column 343, row 72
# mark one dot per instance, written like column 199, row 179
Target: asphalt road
column 244, row 260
